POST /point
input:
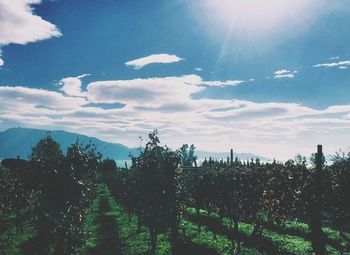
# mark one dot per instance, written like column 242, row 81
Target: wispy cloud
column 168, row 105
column 72, row 85
column 19, row 25
column 147, row 92
column 222, row 83
column 153, row 59
column 284, row 74
column 340, row 64
column 29, row 98
column 198, row 69
column 1, row 62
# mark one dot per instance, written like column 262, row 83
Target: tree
column 108, row 165
column 187, row 155
column 315, row 208
column 47, row 152
column 16, row 193
column 157, row 188
column 13, row 196
column 338, row 199
column 47, row 166
column 82, row 161
column 64, row 189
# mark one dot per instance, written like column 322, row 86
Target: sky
column 268, row 77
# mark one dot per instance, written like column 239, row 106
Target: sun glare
column 259, row 17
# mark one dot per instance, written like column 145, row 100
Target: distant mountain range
column 20, row 141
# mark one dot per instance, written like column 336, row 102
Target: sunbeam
column 256, row 19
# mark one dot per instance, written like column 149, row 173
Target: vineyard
column 79, row 203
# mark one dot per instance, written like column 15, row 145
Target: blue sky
column 272, row 78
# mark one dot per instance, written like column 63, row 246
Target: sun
column 258, row 18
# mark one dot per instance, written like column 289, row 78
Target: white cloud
column 41, row 98
column 198, row 69
column 222, row 83
column 334, row 64
column 284, row 74
column 19, row 25
column 1, row 62
column 168, row 105
column 281, row 72
column 151, row 91
column 72, row 85
column 153, row 59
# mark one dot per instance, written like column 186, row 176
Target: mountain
column 20, row 141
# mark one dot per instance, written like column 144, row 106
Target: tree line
column 54, row 190
column 158, row 189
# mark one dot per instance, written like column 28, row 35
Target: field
column 111, row 231
column 159, row 206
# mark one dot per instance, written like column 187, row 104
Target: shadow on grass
column 107, row 230
column 8, row 222
column 35, row 246
column 186, row 247
column 296, row 232
column 259, row 243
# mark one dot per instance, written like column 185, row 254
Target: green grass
column 293, row 244
column 134, row 241
column 10, row 240
column 90, row 227
column 283, row 242
column 207, row 238
column 296, row 225
column 330, row 233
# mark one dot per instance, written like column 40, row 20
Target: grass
column 292, row 244
column 11, row 241
column 220, row 243
column 90, row 227
column 108, row 225
column 333, row 235
column 282, row 243
column 205, row 237
column 134, row 240
column 192, row 241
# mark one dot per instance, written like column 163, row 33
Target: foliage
column 287, row 207
column 187, row 155
column 56, row 190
